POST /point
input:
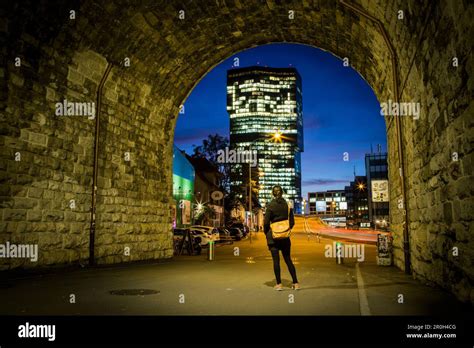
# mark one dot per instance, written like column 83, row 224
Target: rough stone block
column 14, row 214
column 34, row 215
column 75, row 77
column 448, row 212
column 53, row 215
column 38, row 139
column 78, row 227
column 467, row 209
column 51, row 95
column 34, row 192
column 17, row 80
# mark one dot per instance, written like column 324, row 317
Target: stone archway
column 50, row 56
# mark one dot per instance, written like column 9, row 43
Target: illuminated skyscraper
column 260, row 102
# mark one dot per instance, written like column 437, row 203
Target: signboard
column 182, row 188
column 379, row 190
column 218, row 209
column 185, row 212
column 321, row 206
column 217, row 195
column 173, row 215
column 384, row 249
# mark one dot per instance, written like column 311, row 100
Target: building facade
column 376, row 168
column 260, row 102
column 331, row 206
column 357, row 214
column 183, row 189
column 207, row 210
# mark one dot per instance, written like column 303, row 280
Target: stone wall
column 56, row 160
column 66, row 58
column 439, row 167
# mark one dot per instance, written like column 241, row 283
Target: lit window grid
column 270, row 178
column 282, row 116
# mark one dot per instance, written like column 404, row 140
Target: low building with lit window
column 183, row 189
column 376, row 167
column 207, row 181
column 357, row 214
column 331, row 206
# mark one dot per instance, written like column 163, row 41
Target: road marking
column 250, row 259
column 306, row 228
column 363, row 302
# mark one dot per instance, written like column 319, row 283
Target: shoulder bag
column 281, row 229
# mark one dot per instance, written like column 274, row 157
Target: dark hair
column 278, row 186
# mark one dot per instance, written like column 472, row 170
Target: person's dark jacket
column 277, row 210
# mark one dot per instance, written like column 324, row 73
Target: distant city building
column 376, row 168
column 183, row 189
column 363, row 203
column 329, row 205
column 261, row 101
column 357, row 214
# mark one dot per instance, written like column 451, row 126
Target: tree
column 209, row 150
column 204, row 215
column 238, row 196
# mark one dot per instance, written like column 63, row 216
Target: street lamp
column 277, row 137
column 333, row 205
column 199, row 208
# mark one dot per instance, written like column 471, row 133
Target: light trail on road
column 357, row 236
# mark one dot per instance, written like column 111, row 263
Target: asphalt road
column 238, row 282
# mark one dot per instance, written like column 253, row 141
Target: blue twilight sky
column 340, row 112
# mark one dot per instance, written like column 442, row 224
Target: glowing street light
column 277, row 136
column 333, row 206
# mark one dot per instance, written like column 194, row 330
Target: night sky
column 340, row 112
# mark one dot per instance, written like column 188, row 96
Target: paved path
column 232, row 285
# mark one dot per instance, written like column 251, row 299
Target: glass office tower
column 260, row 102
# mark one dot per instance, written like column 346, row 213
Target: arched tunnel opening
column 223, row 115
column 93, row 91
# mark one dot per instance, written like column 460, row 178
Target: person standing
column 278, row 210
